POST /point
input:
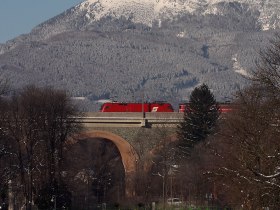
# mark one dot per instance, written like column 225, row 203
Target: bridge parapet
column 131, row 119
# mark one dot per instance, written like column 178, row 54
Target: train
column 136, row 107
column 223, row 107
column 157, row 106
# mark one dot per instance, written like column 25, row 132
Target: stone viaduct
column 134, row 134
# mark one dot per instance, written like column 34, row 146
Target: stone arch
column 128, row 154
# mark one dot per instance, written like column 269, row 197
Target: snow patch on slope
column 182, row 34
column 238, row 68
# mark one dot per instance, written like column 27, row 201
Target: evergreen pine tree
column 200, row 117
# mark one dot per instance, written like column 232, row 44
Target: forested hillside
column 119, row 59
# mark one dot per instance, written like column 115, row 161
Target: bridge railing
column 131, row 119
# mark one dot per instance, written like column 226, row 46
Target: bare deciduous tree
column 246, row 152
column 4, row 85
column 267, row 73
column 37, row 122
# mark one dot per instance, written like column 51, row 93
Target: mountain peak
column 147, row 11
column 141, row 11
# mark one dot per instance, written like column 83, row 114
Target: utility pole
column 143, row 112
column 163, row 187
column 11, row 196
column 54, row 201
column 143, row 124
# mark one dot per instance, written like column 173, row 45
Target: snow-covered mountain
column 147, row 11
column 119, row 48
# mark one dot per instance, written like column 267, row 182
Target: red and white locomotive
column 136, row 107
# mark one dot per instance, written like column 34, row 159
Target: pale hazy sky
column 20, row 16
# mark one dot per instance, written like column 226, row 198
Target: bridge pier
column 130, row 184
column 133, row 134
